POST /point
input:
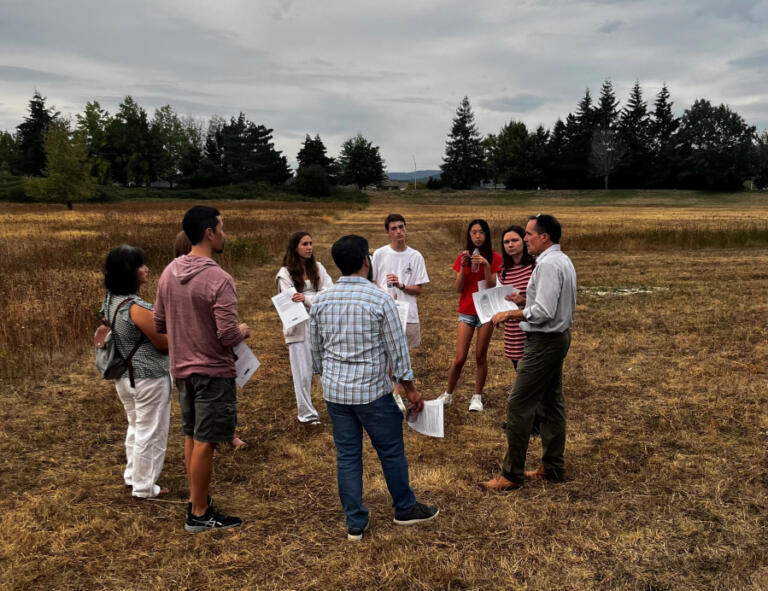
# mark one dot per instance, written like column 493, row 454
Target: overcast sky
column 393, row 70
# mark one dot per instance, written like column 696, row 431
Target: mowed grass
column 665, row 385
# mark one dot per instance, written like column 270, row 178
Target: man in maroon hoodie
column 196, row 306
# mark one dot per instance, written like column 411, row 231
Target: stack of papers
column 490, row 301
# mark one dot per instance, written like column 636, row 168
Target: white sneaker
column 399, row 402
column 445, row 398
column 476, row 404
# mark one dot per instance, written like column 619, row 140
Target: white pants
column 300, row 355
column 148, row 408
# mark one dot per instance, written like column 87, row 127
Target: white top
column 551, row 293
column 296, row 334
column 409, row 267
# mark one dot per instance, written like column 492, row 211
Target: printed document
column 245, row 365
column 490, row 301
column 402, row 311
column 291, row 313
column 430, row 419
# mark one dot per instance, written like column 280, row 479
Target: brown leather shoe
column 541, row 473
column 499, row 484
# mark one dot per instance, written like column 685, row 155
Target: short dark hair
column 548, row 224
column 197, row 220
column 393, row 217
column 120, row 269
column 349, row 252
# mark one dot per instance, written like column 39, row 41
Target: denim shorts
column 470, row 319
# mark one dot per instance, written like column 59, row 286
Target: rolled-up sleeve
column 395, row 343
column 316, row 343
column 225, row 315
column 548, row 287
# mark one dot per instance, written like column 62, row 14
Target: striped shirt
column 514, row 338
column 356, row 336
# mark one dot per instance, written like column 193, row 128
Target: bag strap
column 143, row 337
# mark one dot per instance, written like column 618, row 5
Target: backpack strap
column 128, row 362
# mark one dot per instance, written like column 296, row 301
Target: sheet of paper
column 291, row 313
column 490, row 301
column 430, row 420
column 246, row 364
column 481, row 285
column 402, row 311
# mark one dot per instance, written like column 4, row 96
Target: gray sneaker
column 416, row 514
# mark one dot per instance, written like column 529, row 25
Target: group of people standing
column 354, row 340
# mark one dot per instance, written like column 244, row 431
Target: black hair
column 197, row 220
column 393, row 217
column 485, row 249
column 349, row 252
column 548, row 224
column 120, row 269
column 526, row 259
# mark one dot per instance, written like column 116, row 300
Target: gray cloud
column 520, row 103
column 610, row 26
column 17, row 74
column 757, row 62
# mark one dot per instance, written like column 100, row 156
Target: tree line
column 600, row 144
column 635, row 146
column 66, row 160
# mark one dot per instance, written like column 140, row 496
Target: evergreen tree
column 714, row 148
column 68, row 172
column 509, row 157
column 635, row 135
column 662, row 127
column 464, row 161
column 7, row 152
column 30, row 137
column 607, row 109
column 169, row 142
column 128, row 145
column 761, row 168
column 92, row 125
column 248, row 153
column 313, row 152
column 360, row 162
column 315, row 173
column 580, row 129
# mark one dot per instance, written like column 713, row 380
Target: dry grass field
column 665, row 385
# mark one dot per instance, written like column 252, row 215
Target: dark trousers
column 538, row 385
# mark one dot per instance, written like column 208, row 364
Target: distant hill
column 422, row 176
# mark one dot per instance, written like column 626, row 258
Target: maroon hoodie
column 196, row 306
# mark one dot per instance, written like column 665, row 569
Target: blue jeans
column 383, row 422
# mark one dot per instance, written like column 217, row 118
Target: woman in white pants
column 301, row 271
column 145, row 387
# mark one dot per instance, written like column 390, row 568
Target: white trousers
column 300, row 355
column 148, row 408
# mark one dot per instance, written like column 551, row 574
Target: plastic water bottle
column 475, row 266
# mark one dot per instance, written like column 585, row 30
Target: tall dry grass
column 665, row 386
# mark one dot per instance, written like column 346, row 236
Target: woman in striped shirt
column 517, row 269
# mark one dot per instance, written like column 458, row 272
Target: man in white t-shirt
column 399, row 270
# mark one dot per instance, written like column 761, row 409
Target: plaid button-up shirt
column 356, row 335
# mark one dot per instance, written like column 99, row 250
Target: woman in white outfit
column 145, row 387
column 301, row 271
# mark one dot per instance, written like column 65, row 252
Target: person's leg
column 215, row 422
column 553, row 425
column 535, row 371
column 200, row 469
column 464, row 334
column 300, row 356
column 484, row 334
column 348, row 438
column 153, row 411
column 384, row 424
column 189, row 445
column 125, row 394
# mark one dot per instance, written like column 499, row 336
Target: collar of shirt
column 551, row 249
column 351, row 279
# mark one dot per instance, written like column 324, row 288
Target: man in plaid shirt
column 356, row 336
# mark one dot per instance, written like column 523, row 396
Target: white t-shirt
column 408, row 266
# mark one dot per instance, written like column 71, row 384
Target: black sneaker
column 357, row 534
column 211, row 520
column 418, row 513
